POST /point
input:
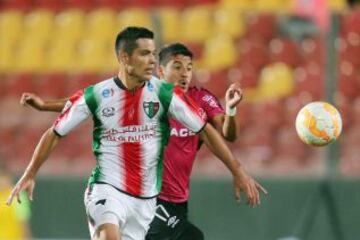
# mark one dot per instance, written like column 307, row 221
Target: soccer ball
column 318, row 124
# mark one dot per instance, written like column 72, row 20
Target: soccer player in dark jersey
column 171, row 220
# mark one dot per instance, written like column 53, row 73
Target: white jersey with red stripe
column 131, row 129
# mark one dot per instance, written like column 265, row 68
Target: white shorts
column 105, row 204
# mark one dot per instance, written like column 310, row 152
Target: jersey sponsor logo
column 150, row 87
column 163, row 215
column 181, row 132
column 108, row 112
column 133, row 133
column 107, row 93
column 151, row 108
column 209, row 99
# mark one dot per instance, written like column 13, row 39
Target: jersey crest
column 151, row 108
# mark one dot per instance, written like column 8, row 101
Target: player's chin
column 147, row 76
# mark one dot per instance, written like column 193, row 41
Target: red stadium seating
column 18, row 83
column 253, row 52
column 351, row 22
column 23, row 5
column 284, row 50
column 54, row 5
column 261, row 26
column 245, row 74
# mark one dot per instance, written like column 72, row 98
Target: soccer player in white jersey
column 130, row 115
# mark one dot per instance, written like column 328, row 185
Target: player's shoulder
column 200, row 92
column 103, row 87
column 160, row 86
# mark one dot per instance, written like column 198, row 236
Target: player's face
column 141, row 63
column 178, row 71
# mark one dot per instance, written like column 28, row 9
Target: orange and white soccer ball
column 318, row 123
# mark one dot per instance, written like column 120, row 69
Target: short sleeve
column 74, row 112
column 210, row 104
column 184, row 110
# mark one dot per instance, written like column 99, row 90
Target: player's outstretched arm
column 226, row 124
column 33, row 100
column 27, row 182
column 242, row 181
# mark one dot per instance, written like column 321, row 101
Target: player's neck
column 129, row 81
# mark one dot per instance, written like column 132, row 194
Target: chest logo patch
column 108, row 112
column 151, row 108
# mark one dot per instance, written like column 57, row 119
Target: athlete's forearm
column 53, row 105
column 217, row 146
column 229, row 128
column 45, row 146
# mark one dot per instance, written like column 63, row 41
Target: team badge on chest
column 151, row 108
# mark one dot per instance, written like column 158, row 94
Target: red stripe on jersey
column 132, row 150
column 73, row 99
column 189, row 102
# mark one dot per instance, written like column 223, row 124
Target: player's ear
column 123, row 57
column 160, row 71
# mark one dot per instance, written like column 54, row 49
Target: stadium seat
column 169, row 22
column 351, row 22
column 31, row 56
column 197, row 49
column 215, row 82
column 219, row 53
column 348, row 82
column 39, row 24
column 196, row 24
column 15, row 19
column 245, row 5
column 276, row 81
column 344, row 105
column 102, row 25
column 253, row 52
column 289, row 145
column 165, row 3
column 62, row 56
column 337, row 5
column 90, row 51
column 53, row 5
column 285, row 51
column 139, row 3
column 261, row 26
column 81, row 80
column 245, row 74
column 16, row 84
column 70, row 24
column 53, row 85
column 274, row 6
column 310, row 79
column 350, row 48
column 135, row 16
column 229, row 21
column 22, row 5
column 7, row 58
column 79, row 4
column 313, row 49
column 109, row 4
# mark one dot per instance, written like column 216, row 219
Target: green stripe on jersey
column 165, row 94
column 164, row 130
column 92, row 103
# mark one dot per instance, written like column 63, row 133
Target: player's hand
column 32, row 100
column 25, row 183
column 243, row 182
column 234, row 95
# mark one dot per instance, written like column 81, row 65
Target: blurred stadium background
column 285, row 53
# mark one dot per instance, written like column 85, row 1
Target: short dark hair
column 126, row 39
column 172, row 50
